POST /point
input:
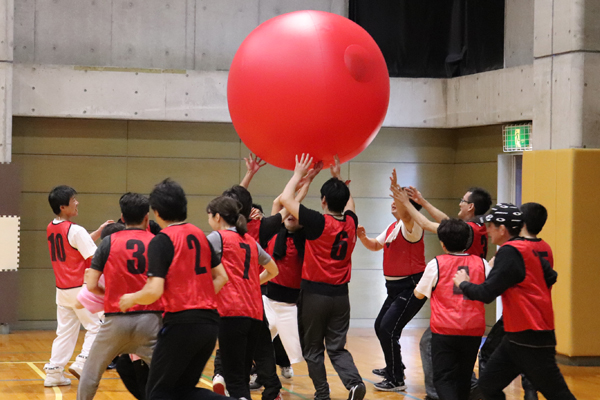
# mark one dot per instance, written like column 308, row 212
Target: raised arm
column 336, row 173
column 253, row 164
column 288, row 197
column 407, row 219
column 401, row 198
column 416, row 196
column 301, row 191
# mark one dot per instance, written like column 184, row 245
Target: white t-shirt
column 80, row 239
column 430, row 276
column 412, row 236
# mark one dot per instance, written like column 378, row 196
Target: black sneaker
column 379, row 371
column 389, row 386
column 357, row 392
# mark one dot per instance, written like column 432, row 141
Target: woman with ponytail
column 239, row 302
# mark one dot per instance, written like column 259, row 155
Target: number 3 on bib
column 340, row 246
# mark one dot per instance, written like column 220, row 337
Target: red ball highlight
column 308, row 82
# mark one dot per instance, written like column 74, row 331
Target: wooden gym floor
column 24, row 353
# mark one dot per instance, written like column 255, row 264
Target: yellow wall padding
column 567, row 183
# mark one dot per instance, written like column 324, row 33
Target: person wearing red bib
column 183, row 271
column 240, row 300
column 324, row 304
column 457, row 323
column 122, row 259
column 474, row 203
column 534, row 218
column 523, row 278
column 71, row 249
column 403, row 266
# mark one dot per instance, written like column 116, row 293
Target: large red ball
column 308, row 82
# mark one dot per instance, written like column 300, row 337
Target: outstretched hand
column 335, row 168
column 361, row 232
column 415, row 195
column 394, row 179
column 303, row 164
column 254, row 163
column 399, row 194
column 110, row 221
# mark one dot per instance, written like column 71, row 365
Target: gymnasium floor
column 24, row 353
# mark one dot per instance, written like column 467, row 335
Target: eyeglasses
column 465, row 201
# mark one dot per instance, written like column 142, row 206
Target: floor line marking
column 206, row 382
column 57, row 392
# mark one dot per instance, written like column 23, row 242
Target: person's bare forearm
column 371, row 243
column 435, row 213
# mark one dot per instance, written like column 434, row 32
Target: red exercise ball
column 308, row 82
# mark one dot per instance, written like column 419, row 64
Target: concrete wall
column 6, row 73
column 180, row 34
column 104, row 158
column 518, row 32
column 152, row 94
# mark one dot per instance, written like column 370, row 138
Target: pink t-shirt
column 92, row 302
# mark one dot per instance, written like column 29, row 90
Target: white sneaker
column 55, row 376
column 219, row 385
column 287, row 372
column 77, row 366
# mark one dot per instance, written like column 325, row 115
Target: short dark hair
column 513, row 231
column 134, row 207
column 481, row 199
column 229, row 209
column 454, row 233
column 535, row 216
column 111, row 228
column 336, row 194
column 60, row 196
column 168, row 199
column 242, row 195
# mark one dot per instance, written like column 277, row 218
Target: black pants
column 238, row 339
column 453, row 361
column 492, row 342
column 537, row 363
column 264, row 359
column 181, row 353
column 281, row 357
column 399, row 308
column 134, row 375
column 323, row 322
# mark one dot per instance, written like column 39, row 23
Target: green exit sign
column 517, row 137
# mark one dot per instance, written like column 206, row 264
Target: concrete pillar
column 566, row 66
column 7, row 9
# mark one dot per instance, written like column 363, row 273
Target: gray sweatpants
column 323, row 324
column 119, row 334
